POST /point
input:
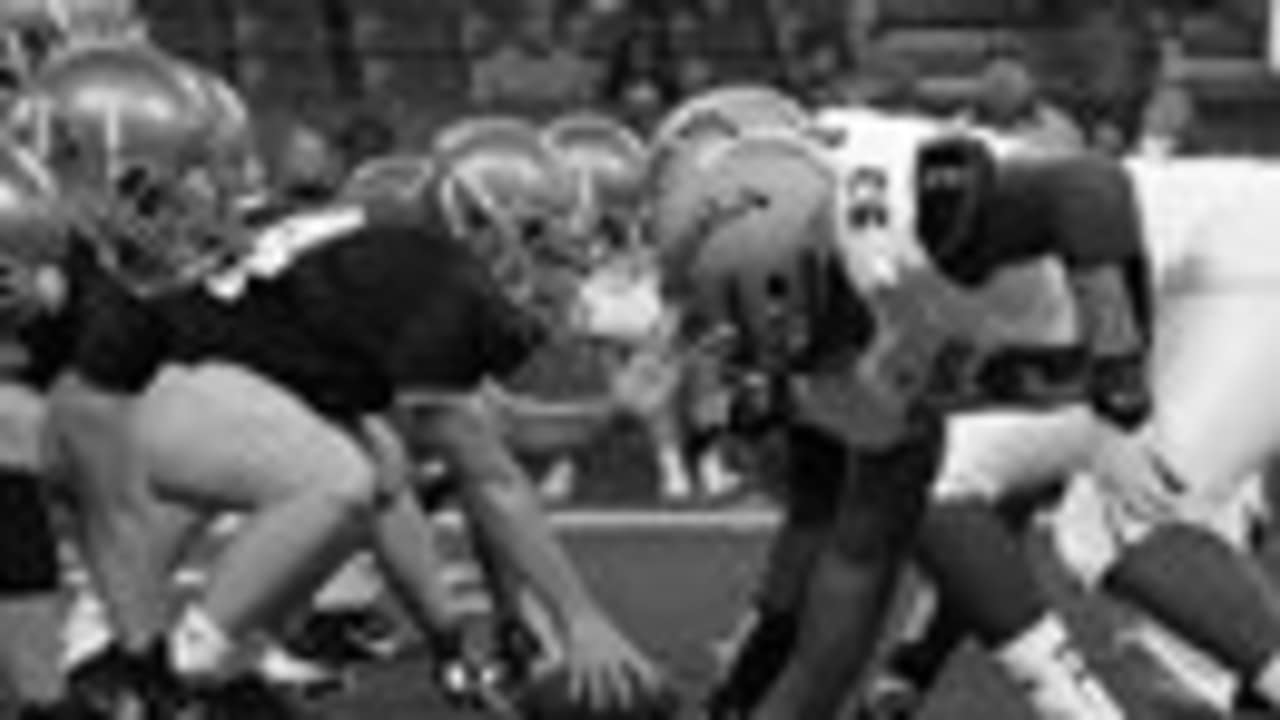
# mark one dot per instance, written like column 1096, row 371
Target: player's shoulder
column 1080, row 180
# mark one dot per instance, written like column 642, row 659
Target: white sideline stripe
column 737, row 522
column 633, row 520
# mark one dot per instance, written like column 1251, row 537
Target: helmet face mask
column 162, row 236
column 131, row 135
column 749, row 258
column 510, row 199
column 607, row 160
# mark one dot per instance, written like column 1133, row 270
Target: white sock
column 1195, row 673
column 1053, row 675
column 677, row 483
column 356, row 586
column 204, row 652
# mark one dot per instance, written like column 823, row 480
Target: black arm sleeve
column 120, row 342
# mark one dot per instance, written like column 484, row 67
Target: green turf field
column 677, row 581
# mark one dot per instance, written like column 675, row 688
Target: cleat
column 890, row 698
column 341, row 638
column 114, row 683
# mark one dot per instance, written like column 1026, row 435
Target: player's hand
column 605, row 669
column 647, row 382
column 1135, row 479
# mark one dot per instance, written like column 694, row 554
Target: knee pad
column 28, row 548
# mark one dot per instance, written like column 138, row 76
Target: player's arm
column 1101, row 244
column 501, row 498
column 463, row 431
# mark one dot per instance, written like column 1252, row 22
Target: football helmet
column 607, row 159
column 128, row 132
column 752, row 256
column 397, row 183
column 32, row 30
column 707, row 120
column 503, row 192
column 235, row 153
column 730, row 111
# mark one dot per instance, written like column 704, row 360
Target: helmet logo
column 718, row 213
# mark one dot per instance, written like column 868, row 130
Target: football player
column 812, row 464
column 325, row 305
column 536, row 240
column 608, row 159
column 1001, row 457
column 1163, row 531
column 1199, row 273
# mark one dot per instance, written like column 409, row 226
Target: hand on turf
column 605, row 670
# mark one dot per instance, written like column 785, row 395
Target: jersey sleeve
column 120, row 341
column 1095, row 216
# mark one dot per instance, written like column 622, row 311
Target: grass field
column 676, row 582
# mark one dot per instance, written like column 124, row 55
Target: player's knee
column 354, row 491
column 28, row 548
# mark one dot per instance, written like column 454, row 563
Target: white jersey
column 1209, row 223
column 1025, row 304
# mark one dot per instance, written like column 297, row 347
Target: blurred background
column 377, row 73
column 335, row 82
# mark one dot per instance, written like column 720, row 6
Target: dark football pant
column 28, row 548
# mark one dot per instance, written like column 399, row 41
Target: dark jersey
column 340, row 312
column 100, row 332
column 359, row 313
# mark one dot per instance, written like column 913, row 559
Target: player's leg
column 218, row 436
column 500, row 499
column 853, row 582
column 29, row 570
column 114, row 514
column 1181, row 676
column 972, row 549
column 815, row 470
column 1216, row 419
column 30, row 599
column 977, row 562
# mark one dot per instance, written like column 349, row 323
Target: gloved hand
column 1119, row 390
